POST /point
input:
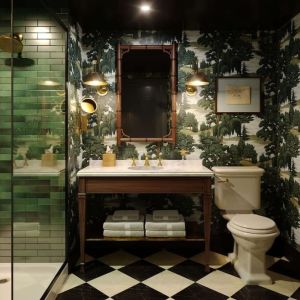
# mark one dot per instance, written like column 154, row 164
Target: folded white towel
column 164, row 225
column 123, row 225
column 126, row 215
column 166, row 215
column 123, row 233
column 165, row 233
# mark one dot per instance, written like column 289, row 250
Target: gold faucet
column 146, row 164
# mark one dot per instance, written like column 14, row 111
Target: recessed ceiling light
column 145, row 8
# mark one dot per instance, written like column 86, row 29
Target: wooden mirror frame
column 171, row 51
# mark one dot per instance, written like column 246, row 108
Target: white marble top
column 169, row 168
column 35, row 168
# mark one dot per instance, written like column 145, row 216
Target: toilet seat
column 253, row 224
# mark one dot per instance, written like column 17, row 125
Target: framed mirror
column 146, row 93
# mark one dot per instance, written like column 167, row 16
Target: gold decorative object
column 88, row 105
column 48, row 160
column 109, row 160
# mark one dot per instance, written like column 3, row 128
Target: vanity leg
column 82, row 214
column 207, row 224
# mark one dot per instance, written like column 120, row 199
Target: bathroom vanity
column 175, row 176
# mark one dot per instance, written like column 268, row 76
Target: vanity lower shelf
column 150, row 239
column 194, row 234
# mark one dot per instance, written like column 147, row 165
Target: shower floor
column 30, row 279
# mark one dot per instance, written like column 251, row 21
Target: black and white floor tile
column 163, row 274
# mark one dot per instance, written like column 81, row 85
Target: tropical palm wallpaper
column 269, row 140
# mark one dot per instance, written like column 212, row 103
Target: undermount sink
column 145, row 168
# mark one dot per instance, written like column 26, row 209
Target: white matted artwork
column 238, row 95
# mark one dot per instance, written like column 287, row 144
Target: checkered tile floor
column 155, row 274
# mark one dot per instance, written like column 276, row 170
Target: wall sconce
column 197, row 79
column 88, row 106
column 94, row 78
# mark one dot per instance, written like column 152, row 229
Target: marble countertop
column 169, row 168
column 35, row 168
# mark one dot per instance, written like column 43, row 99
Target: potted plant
column 36, row 150
column 19, row 161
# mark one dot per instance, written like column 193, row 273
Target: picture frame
column 238, row 95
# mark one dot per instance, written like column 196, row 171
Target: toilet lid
column 253, row 223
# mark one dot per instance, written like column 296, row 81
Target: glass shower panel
column 39, row 150
column 5, row 151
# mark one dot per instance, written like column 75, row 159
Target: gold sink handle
column 183, row 153
column 159, row 159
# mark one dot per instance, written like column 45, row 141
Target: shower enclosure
column 32, row 149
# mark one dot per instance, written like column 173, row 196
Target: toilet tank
column 237, row 188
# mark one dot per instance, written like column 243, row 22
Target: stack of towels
column 165, row 223
column 124, row 223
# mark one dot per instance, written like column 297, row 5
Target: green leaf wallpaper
column 269, row 140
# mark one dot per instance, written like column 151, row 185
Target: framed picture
column 238, row 95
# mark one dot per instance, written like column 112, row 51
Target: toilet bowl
column 237, row 194
column 253, row 237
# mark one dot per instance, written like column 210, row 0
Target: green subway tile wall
column 39, row 201
column 5, row 147
column 36, row 127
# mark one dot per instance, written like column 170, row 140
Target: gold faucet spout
column 159, row 160
column 147, row 163
column 133, row 163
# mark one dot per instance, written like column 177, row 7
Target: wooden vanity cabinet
column 200, row 185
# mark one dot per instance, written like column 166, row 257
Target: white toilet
column 237, row 194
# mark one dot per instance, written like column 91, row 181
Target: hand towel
column 109, row 224
column 126, row 215
column 166, row 215
column 164, row 225
column 123, row 233
column 165, row 233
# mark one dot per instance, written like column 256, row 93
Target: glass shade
column 197, row 79
column 94, row 79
